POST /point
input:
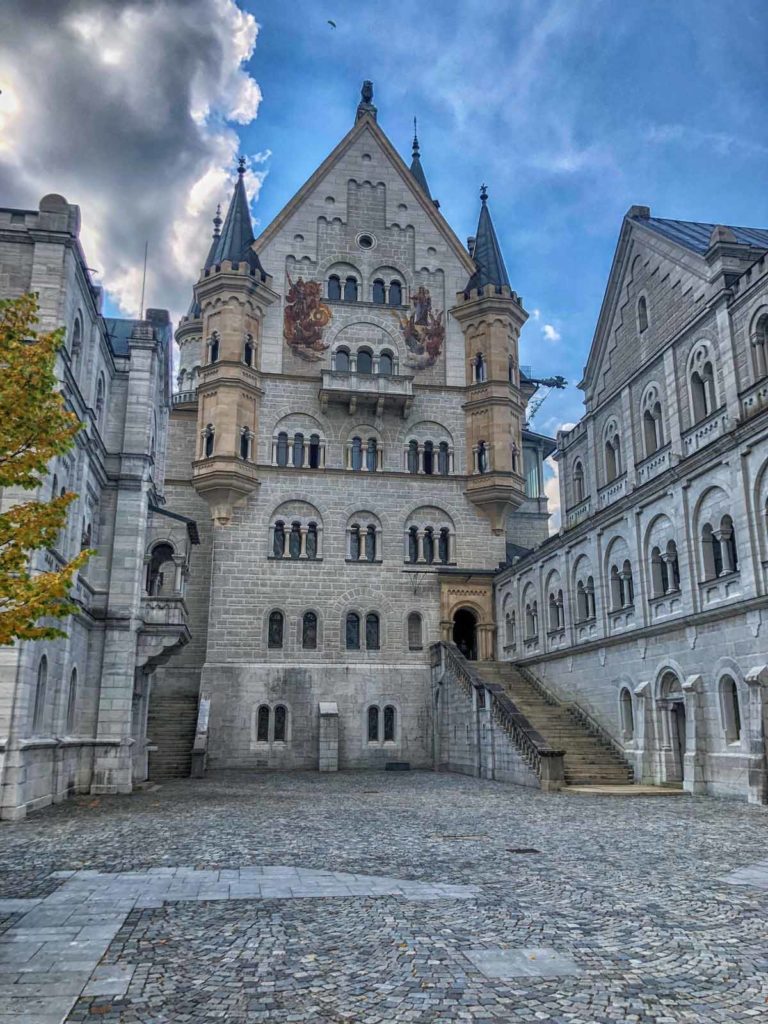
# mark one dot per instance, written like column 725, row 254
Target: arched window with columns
column 759, row 344
column 612, row 447
column 378, row 292
column 701, row 378
column 429, row 537
column 730, row 709
column 653, row 426
column 295, row 533
column 334, row 288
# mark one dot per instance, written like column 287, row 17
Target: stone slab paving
column 378, row 897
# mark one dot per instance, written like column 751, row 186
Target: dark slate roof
column 237, row 233
column 118, row 333
column 416, row 169
column 695, row 235
column 487, row 253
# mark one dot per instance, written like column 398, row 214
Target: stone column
column 377, row 550
column 322, row 454
column 349, row 543
column 757, row 713
column 451, row 546
column 303, row 531
column 475, row 460
column 379, row 458
column 287, row 544
column 421, row 458
column 271, row 549
column 450, row 460
column 319, row 541
column 290, row 451
column 328, row 754
column 420, row 545
column 695, row 738
column 274, row 451
column 723, row 536
column 405, row 460
column 305, row 460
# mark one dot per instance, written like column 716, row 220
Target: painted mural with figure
column 423, row 331
column 305, row 318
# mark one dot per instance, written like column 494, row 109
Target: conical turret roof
column 237, row 234
column 487, row 252
column 416, row 169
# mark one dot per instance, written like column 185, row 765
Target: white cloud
column 550, row 333
column 535, row 314
column 552, row 492
column 133, row 120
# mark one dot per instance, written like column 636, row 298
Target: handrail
column 531, row 744
column 574, row 710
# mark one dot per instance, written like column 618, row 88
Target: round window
column 365, row 241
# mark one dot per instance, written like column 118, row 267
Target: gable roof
column 367, row 123
column 696, row 235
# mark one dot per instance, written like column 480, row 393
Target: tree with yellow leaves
column 34, row 427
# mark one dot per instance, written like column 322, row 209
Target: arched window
column 510, row 628
column 357, row 453
column 314, row 451
column 281, row 718
column 673, row 568
column 443, row 460
column 703, row 399
column 578, row 482
column 379, row 295
column 612, row 457
column 278, row 545
column 413, row 544
column 552, row 609
column 627, row 715
column 389, row 724
column 429, row 545
column 334, row 288
column 262, row 724
column 71, row 703
column 482, row 457
column 372, row 631
column 531, row 620
column 353, row 631
column 354, row 542
column 298, row 450
column 275, row 635
column 350, row 289
column 55, row 487
column 77, row 337
column 444, row 545
column 248, row 351
column 395, row 293
column 414, row 632
column 100, row 400
column 429, row 458
column 371, row 455
column 208, row 440
column 642, row 314
column 373, row 724
column 160, row 571
column 370, row 544
column 245, row 443
column 582, row 602
column 479, row 368
column 653, row 428
column 712, row 556
column 386, row 365
column 729, row 701
column 729, row 553
column 294, row 540
column 342, row 360
column 282, row 448
column 413, row 456
column 213, row 347
column 364, row 361
column 311, row 542
column 38, row 713
column 759, row 340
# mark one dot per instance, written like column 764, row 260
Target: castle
column 327, row 544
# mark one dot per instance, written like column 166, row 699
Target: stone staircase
column 171, row 727
column 588, row 760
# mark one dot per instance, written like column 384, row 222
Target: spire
column 487, row 252
column 217, row 222
column 234, row 242
column 416, row 169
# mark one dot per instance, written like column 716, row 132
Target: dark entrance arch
column 465, row 632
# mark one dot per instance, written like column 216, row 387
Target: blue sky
column 570, row 111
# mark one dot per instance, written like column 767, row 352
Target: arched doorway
column 672, row 728
column 465, row 632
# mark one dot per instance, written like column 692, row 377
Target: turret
column 232, row 295
column 491, row 316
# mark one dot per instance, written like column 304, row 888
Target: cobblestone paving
column 627, row 912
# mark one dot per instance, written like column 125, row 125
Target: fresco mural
column 305, row 318
column 423, row 331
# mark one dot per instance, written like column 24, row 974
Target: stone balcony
column 381, row 392
column 184, row 398
column 164, row 628
column 578, row 513
column 705, row 432
column 654, row 465
column 754, row 400
column 613, row 491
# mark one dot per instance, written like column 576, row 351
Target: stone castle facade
column 343, row 479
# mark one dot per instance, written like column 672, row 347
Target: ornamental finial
column 241, row 165
column 483, row 193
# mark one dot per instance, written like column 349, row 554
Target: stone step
column 171, row 726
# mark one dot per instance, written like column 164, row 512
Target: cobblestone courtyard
column 383, row 897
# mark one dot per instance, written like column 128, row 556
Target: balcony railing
column 382, row 391
column 578, row 513
column 654, row 465
column 183, row 397
column 613, row 491
column 754, row 400
column 703, row 433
